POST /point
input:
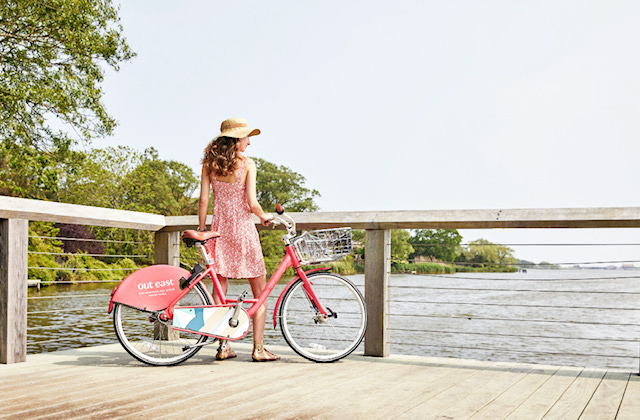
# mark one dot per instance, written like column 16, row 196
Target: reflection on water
column 572, row 317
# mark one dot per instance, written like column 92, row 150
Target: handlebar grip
column 279, row 209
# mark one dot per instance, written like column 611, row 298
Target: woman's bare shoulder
column 250, row 162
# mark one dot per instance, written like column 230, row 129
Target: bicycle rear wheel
column 317, row 337
column 152, row 341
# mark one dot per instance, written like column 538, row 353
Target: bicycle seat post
column 205, row 255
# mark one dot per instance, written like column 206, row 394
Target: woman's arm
column 252, row 199
column 203, row 207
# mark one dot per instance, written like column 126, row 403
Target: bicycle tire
column 150, row 341
column 319, row 338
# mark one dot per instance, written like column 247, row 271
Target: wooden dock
column 105, row 382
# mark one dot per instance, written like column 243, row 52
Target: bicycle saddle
column 190, row 237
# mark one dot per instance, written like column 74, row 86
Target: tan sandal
column 259, row 353
column 227, row 353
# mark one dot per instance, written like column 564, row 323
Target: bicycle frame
column 290, row 260
column 136, row 290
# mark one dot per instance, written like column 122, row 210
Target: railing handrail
column 588, row 217
column 50, row 211
column 600, row 217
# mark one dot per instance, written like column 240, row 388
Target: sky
column 403, row 105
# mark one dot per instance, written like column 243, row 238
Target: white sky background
column 403, row 105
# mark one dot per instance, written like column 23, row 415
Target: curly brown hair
column 220, row 156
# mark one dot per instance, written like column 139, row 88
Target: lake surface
column 569, row 317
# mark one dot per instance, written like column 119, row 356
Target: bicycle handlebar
column 286, row 220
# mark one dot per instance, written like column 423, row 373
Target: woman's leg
column 257, row 286
column 227, row 353
column 259, row 353
column 224, row 285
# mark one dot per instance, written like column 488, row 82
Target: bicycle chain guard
column 212, row 321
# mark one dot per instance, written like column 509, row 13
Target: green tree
column 51, row 52
column 43, row 251
column 482, row 251
column 160, row 186
column 279, row 184
column 123, row 178
column 441, row 244
column 401, row 249
column 26, row 172
column 98, row 177
column 400, row 246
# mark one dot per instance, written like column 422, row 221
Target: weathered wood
column 377, row 261
column 572, row 402
column 546, row 395
column 516, row 394
column 166, row 251
column 166, row 248
column 630, row 407
column 361, row 387
column 605, row 217
column 607, row 399
column 13, row 290
column 492, row 387
column 48, row 211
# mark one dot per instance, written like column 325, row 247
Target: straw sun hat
column 236, row 128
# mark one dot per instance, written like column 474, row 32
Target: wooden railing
column 15, row 214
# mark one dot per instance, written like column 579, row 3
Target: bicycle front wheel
column 154, row 342
column 319, row 337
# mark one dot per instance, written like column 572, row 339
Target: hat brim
column 239, row 132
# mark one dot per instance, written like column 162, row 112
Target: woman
column 237, row 252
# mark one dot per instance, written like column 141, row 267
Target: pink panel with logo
column 151, row 288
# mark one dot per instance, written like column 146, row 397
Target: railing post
column 13, row 290
column 166, row 249
column 377, row 268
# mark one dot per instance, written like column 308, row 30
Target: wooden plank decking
column 105, row 382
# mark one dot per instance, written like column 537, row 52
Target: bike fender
column 275, row 310
column 151, row 288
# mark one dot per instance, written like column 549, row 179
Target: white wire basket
column 317, row 246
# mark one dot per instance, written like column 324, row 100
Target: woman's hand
column 266, row 219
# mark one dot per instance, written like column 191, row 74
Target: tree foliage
column 401, row 249
column 279, row 184
column 481, row 251
column 123, row 178
column 26, row 172
column 400, row 246
column 51, row 53
column 441, row 244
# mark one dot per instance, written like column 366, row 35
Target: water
column 562, row 317
column 569, row 317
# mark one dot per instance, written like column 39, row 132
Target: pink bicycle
column 163, row 314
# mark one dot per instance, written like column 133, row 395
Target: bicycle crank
column 204, row 343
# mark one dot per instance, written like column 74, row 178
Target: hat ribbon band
column 232, row 126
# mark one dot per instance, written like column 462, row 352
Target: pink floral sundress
column 237, row 252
